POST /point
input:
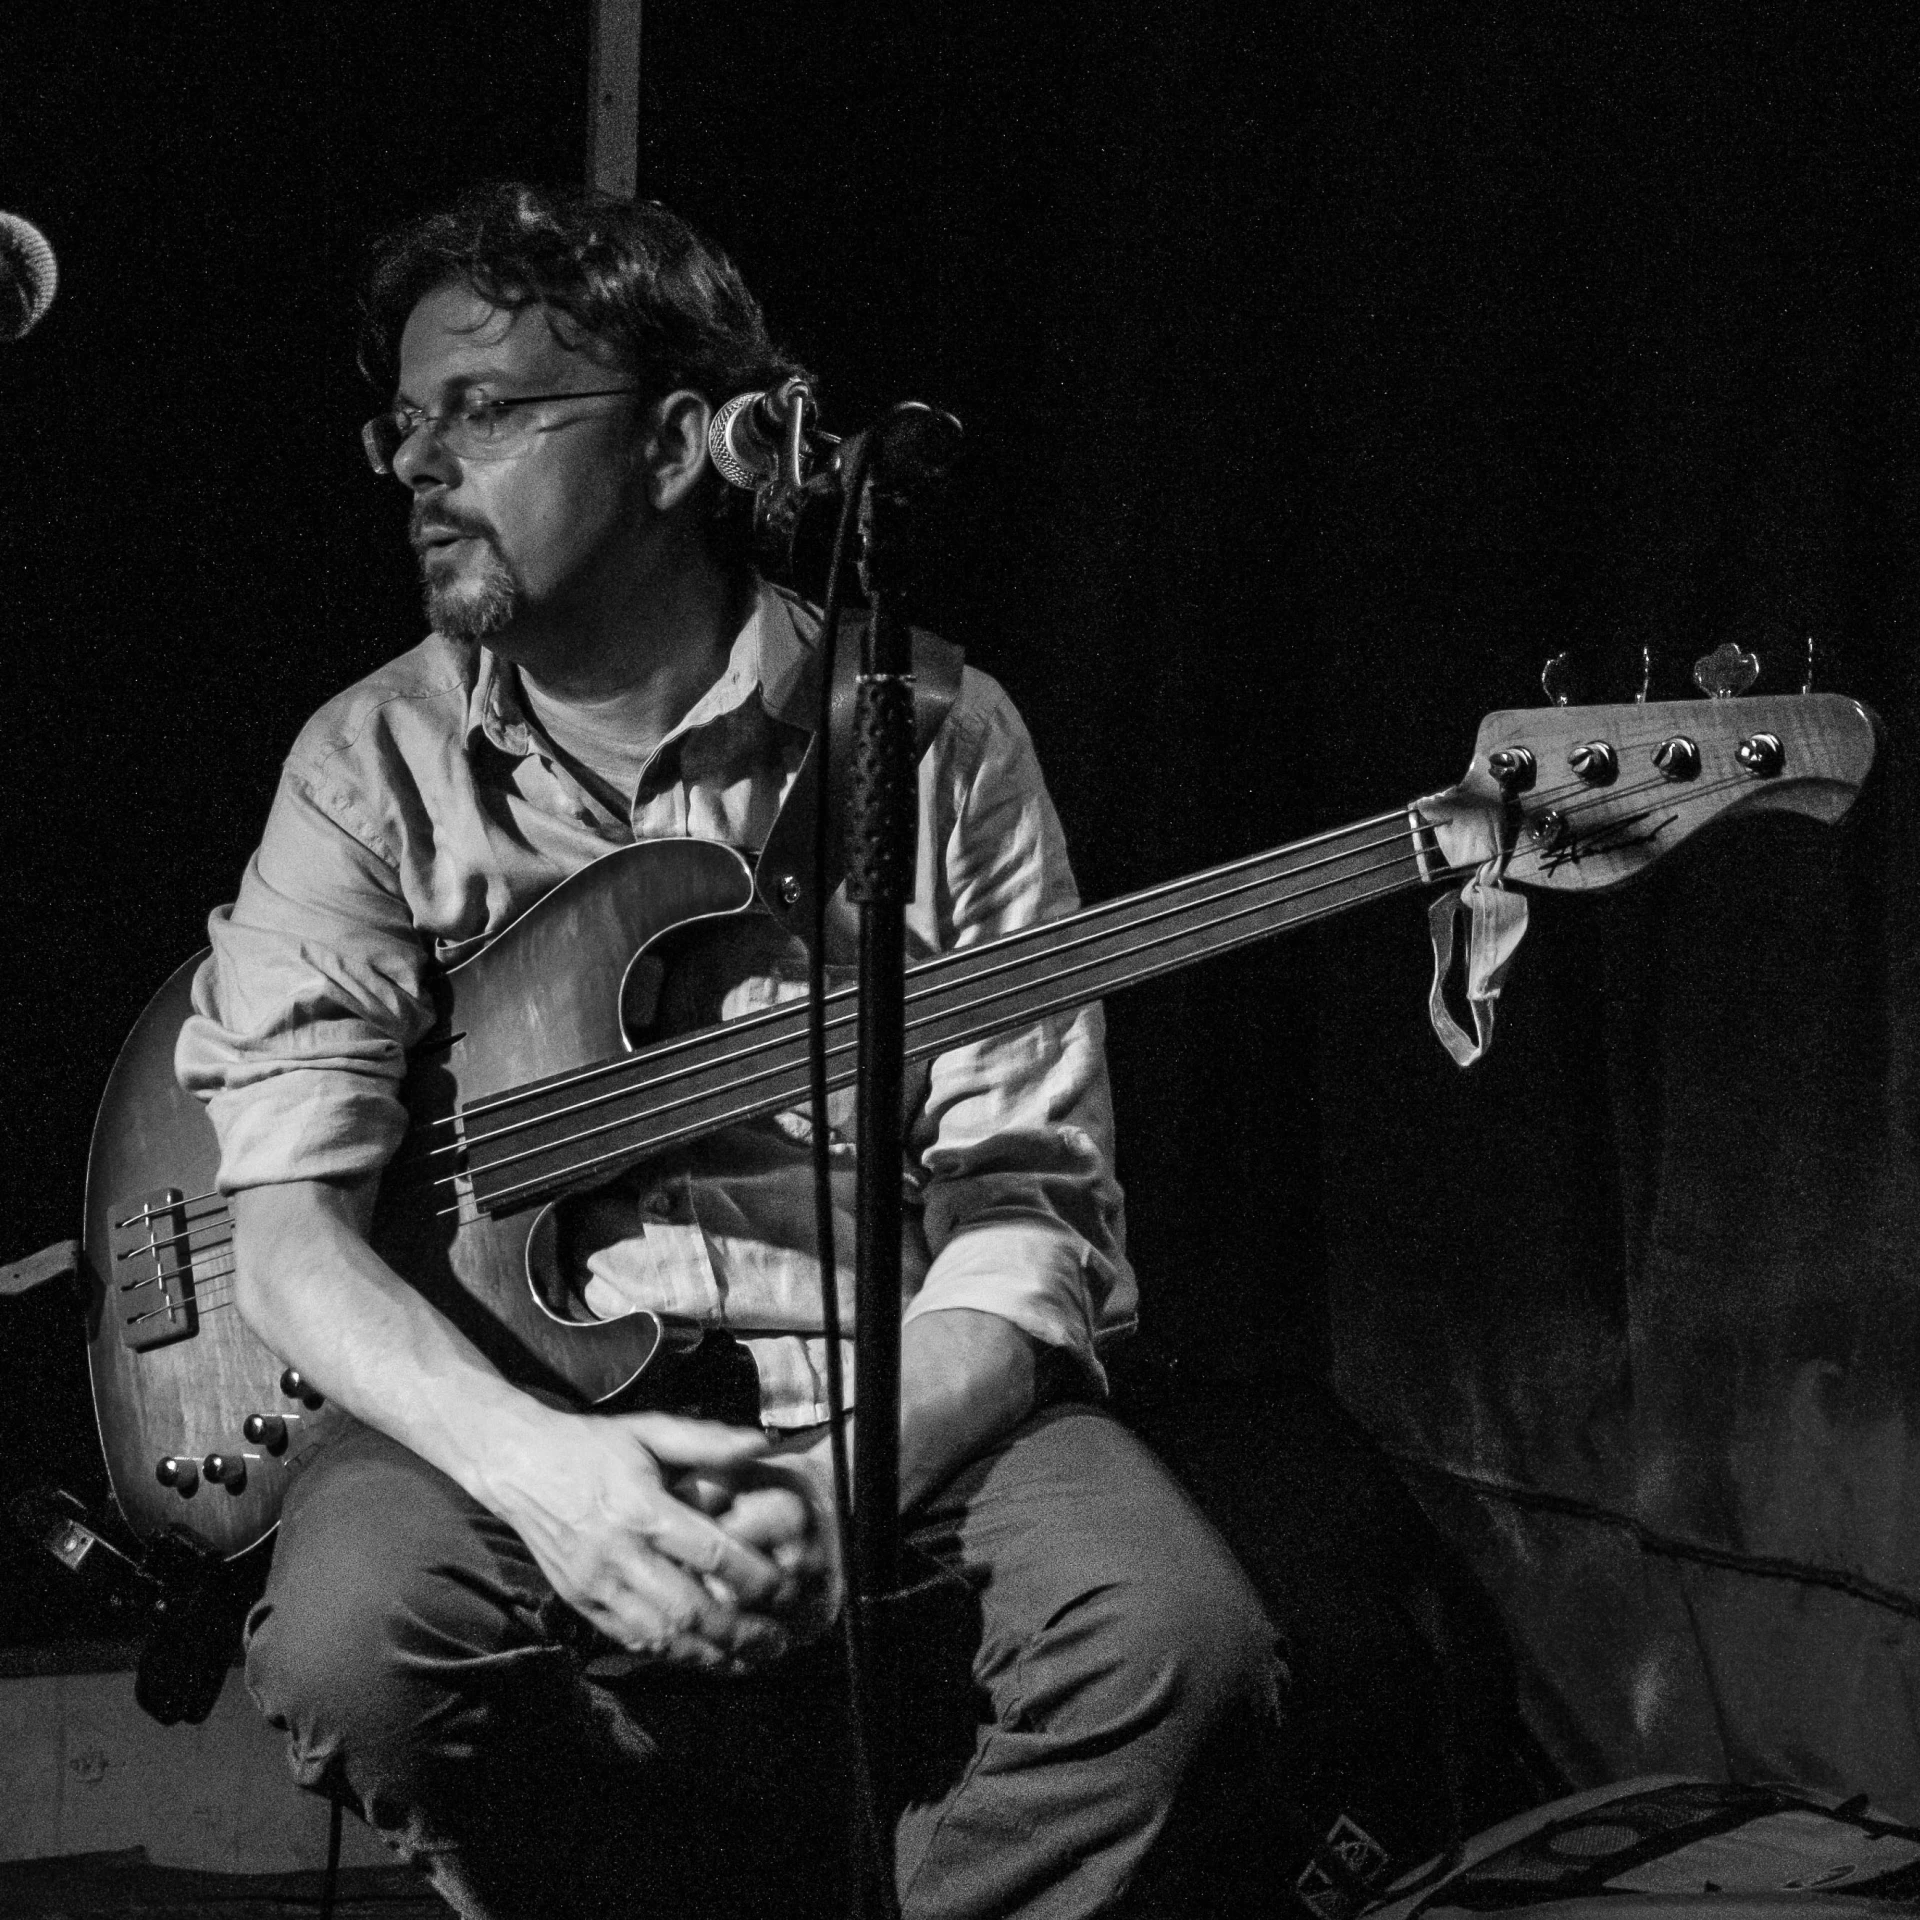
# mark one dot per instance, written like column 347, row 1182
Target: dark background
column 1324, row 373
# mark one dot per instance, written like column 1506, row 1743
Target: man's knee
column 387, row 1627
column 1203, row 1628
column 1128, row 1609
column 1168, row 1655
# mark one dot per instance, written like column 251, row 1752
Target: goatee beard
column 476, row 608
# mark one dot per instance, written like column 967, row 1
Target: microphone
column 766, row 444
column 756, row 439
column 28, row 277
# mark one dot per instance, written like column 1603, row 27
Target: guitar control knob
column 1761, row 754
column 265, row 1430
column 1595, row 762
column 227, row 1470
column 1678, row 758
column 294, row 1384
column 1513, row 767
column 183, row 1476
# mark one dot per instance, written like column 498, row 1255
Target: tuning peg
column 1556, row 679
column 1726, row 671
column 1513, row 767
column 1806, row 683
column 1762, row 754
column 1678, row 758
column 1595, row 762
column 1646, row 675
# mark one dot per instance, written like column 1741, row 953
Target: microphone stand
column 880, row 834
column 905, row 453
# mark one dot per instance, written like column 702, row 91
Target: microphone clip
column 764, row 443
column 779, row 499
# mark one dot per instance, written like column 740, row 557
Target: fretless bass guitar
column 549, row 1071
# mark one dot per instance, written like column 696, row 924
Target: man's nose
column 422, row 461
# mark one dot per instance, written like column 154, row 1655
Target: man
column 604, row 667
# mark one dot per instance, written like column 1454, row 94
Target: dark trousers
column 1085, row 1645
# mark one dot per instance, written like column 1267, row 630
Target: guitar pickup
column 153, row 1271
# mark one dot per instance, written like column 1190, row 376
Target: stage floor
column 90, row 1886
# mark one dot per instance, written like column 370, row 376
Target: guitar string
column 1572, row 789
column 740, row 1034
column 1046, row 982
column 565, row 1175
column 937, row 973
column 922, row 988
column 1593, row 796
column 941, row 968
column 748, row 1038
column 1031, row 995
column 948, row 973
column 219, row 1218
column 222, row 1218
column 741, row 1030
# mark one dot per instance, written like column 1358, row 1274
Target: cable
column 1651, row 1540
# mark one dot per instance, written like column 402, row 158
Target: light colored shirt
column 421, row 811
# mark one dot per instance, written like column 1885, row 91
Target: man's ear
column 674, row 452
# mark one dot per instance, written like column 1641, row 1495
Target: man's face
column 519, row 542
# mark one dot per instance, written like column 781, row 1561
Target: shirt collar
column 772, row 656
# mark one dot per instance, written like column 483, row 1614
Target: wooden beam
column 613, row 97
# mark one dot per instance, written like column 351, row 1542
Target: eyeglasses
column 475, row 427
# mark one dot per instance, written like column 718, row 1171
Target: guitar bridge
column 153, row 1271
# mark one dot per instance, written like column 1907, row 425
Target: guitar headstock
column 1590, row 796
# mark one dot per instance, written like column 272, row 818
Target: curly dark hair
column 629, row 274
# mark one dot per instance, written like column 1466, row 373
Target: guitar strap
column 783, row 877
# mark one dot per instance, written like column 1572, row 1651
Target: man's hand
column 629, row 1551
column 966, row 1378
column 782, row 1506
column 678, row 1539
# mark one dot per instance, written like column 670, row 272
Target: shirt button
column 658, row 1205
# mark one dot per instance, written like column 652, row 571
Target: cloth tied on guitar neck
column 1467, row 832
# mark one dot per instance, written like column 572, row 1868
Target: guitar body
column 177, row 1373
column 189, row 1396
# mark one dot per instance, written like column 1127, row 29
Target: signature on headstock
column 1559, row 844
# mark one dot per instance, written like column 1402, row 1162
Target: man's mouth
column 433, row 535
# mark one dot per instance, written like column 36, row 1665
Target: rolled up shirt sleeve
column 303, row 1013
column 1014, row 1142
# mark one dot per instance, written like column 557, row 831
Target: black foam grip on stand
column 880, row 834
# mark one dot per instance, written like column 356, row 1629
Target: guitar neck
column 976, row 992
column 526, row 1145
